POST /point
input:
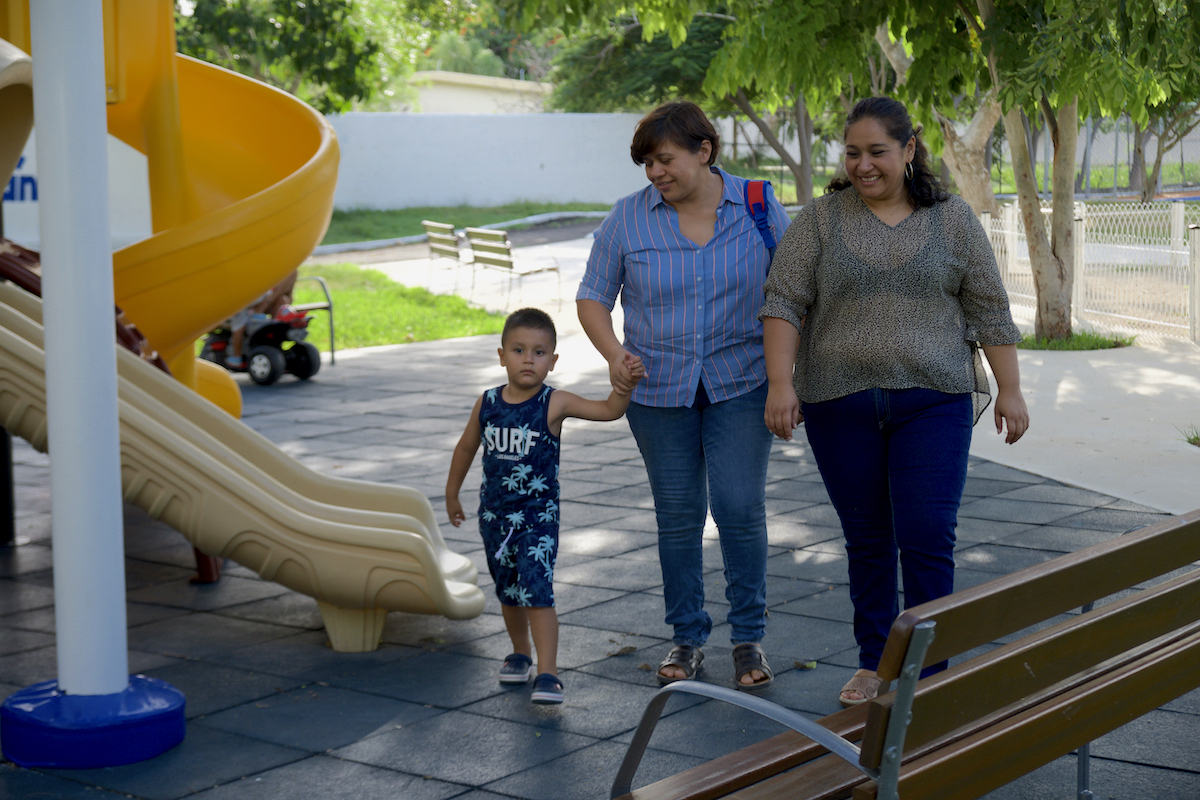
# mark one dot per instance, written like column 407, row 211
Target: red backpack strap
column 755, row 195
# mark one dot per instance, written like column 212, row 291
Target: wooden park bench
column 997, row 715
column 491, row 249
column 443, row 241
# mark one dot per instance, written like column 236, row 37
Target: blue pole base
column 44, row 727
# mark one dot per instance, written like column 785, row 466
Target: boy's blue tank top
column 519, row 490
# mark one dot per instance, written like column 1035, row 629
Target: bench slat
column 719, row 777
column 983, row 762
column 486, row 235
column 988, row 612
column 1021, row 670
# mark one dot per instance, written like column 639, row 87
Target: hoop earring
column 908, row 171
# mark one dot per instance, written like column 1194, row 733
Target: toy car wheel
column 265, row 365
column 304, row 360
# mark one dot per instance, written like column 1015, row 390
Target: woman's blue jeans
column 895, row 463
column 696, row 457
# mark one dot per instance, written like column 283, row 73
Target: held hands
column 782, row 414
column 625, row 372
column 1010, row 407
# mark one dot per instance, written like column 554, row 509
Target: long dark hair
column 924, row 188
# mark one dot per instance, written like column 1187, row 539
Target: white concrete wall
column 457, row 93
column 396, row 160
column 128, row 197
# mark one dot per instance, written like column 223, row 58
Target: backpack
column 755, row 193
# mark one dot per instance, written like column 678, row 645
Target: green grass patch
column 372, row 309
column 1080, row 340
column 365, row 225
column 1191, row 435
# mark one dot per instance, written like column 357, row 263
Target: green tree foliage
column 452, row 52
column 309, row 49
column 403, row 30
column 618, row 70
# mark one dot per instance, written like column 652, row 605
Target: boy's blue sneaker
column 547, row 690
column 517, row 668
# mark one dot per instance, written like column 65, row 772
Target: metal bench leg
column 332, row 360
column 1083, row 778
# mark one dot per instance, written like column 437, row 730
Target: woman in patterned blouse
column 881, row 294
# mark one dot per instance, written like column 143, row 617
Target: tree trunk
column 742, row 103
column 1051, row 259
column 804, row 134
column 1137, row 163
column 966, row 155
column 751, row 150
column 1152, row 184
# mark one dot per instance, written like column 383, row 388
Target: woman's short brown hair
column 680, row 122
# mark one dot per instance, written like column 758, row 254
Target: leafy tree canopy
column 618, row 70
column 453, row 52
column 309, row 49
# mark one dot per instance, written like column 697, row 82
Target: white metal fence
column 1136, row 266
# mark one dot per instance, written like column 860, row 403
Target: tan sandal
column 865, row 683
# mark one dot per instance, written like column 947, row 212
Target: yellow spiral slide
column 241, row 186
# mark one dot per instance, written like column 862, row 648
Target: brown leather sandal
column 748, row 657
column 865, row 683
column 686, row 657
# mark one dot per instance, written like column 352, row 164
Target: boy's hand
column 455, row 510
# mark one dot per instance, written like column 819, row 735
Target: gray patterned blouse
column 888, row 307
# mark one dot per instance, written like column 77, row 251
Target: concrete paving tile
column 813, row 691
column 819, row 514
column 292, row 609
column 1000, row 559
column 782, row 531
column 444, row 747
column 592, row 770
column 308, row 657
column 27, row 784
column 1188, row 704
column 793, row 638
column 579, row 490
column 460, row 679
column 1109, row 779
column 1057, row 539
column 600, row 454
column 807, row 491
column 993, row 471
column 578, row 646
column 833, row 604
column 571, row 597
column 1050, row 492
column 229, row 591
column 984, row 487
column 605, row 540
column 809, row 565
column 1017, row 511
column 204, row 759
column 712, row 729
column 13, row 640
column 178, row 553
column 636, row 612
column 318, row 718
column 20, row 595
column 594, row 706
column 1160, row 738
column 612, row 573
column 32, row 557
column 33, row 526
column 785, row 467
column 330, row 778
column 1111, row 519
column 576, row 513
column 430, row 632
column 624, row 497
column 201, row 635
column 973, row 531
column 140, row 574
column 210, row 688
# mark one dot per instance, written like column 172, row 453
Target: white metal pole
column 81, row 383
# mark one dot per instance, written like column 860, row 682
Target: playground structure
column 241, row 183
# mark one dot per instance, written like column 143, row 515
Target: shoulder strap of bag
column 756, row 206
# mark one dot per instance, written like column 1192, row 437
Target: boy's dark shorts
column 522, row 566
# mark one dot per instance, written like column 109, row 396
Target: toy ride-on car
column 273, row 346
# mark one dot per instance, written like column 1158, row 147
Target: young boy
column 519, row 425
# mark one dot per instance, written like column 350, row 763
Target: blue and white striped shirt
column 691, row 312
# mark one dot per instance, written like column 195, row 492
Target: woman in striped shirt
column 688, row 263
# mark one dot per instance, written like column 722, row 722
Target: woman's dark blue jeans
column 894, row 462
